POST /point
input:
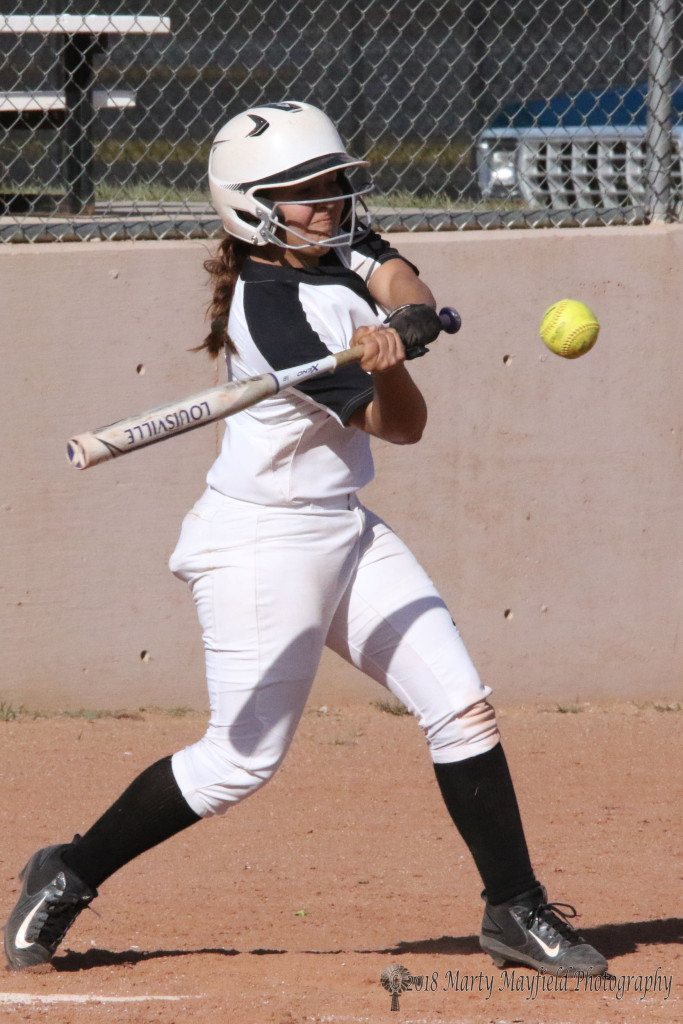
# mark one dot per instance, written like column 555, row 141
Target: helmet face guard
column 271, row 146
column 271, row 225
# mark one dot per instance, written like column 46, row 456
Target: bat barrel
column 156, row 425
column 189, row 413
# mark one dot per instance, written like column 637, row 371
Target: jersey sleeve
column 283, row 334
column 369, row 251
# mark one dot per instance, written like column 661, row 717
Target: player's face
column 311, row 210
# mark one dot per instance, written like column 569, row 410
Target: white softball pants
column 272, row 586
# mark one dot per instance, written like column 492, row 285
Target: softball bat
column 155, row 425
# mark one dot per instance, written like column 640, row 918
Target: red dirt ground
column 287, row 910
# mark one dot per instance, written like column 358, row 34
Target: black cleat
column 529, row 930
column 51, row 899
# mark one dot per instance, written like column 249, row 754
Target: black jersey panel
column 325, row 273
column 283, row 335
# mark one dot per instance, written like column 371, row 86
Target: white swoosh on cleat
column 20, row 940
column 550, row 950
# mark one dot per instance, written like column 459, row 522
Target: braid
column 224, row 268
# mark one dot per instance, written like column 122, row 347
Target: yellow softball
column 569, row 328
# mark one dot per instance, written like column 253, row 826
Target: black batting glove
column 417, row 325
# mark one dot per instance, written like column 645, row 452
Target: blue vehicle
column 582, row 150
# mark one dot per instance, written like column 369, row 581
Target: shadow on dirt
column 128, row 957
column 613, row 940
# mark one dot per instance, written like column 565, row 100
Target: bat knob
column 450, row 320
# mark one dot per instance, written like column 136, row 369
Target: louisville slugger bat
column 126, row 435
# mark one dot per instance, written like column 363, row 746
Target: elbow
column 410, row 431
column 413, row 438
column 406, row 436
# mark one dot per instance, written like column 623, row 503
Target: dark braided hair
column 224, row 268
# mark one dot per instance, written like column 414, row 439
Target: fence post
column 659, row 147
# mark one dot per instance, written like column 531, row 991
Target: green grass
column 403, row 152
column 8, row 713
column 168, row 161
column 412, row 151
column 156, row 151
column 402, row 199
column 391, row 707
column 181, row 712
column 650, row 705
column 149, row 192
column 93, row 715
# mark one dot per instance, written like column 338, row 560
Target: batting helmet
column 269, row 146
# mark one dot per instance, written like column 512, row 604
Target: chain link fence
column 473, row 114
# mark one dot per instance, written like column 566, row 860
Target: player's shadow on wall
column 613, row 940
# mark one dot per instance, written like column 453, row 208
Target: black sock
column 151, row 810
column 480, row 798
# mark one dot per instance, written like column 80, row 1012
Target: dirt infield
column 287, row 910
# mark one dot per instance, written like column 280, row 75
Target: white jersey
column 296, row 446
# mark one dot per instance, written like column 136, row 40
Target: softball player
column 297, row 277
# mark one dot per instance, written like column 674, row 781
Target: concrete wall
column 546, row 498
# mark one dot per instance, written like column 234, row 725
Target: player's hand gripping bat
column 156, row 425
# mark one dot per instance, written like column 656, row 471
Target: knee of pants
column 212, row 776
column 464, row 734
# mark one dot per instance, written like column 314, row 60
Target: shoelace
column 57, row 916
column 559, row 918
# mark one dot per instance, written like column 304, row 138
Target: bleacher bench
column 48, row 109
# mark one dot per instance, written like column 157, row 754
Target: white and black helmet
column 273, row 145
